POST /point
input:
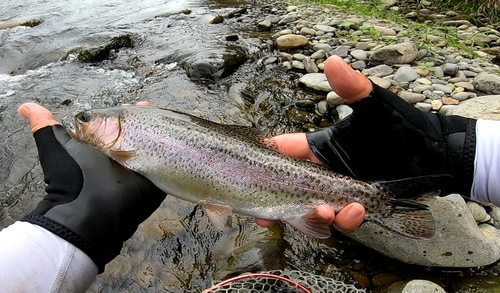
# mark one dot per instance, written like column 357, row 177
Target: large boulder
column 486, row 107
column 458, row 241
column 403, row 53
column 488, row 83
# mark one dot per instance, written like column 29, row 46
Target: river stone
column 442, row 88
column 450, row 69
column 488, row 83
column 411, row 98
column 358, row 65
column 316, row 81
column 381, row 82
column 424, row 107
column 291, row 41
column 334, row 99
column 403, row 53
column 414, row 286
column 405, row 74
column 463, row 96
column 325, row 47
column 384, row 31
column 478, row 212
column 307, row 31
column 380, row 71
column 310, row 65
column 486, row 107
column 359, row 54
column 458, row 242
column 343, row 111
column 215, row 64
column 320, row 54
column 324, row 28
column 466, row 85
column 342, row 51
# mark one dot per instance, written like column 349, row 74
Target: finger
column 264, row 223
column 142, row 103
column 350, row 217
column 295, row 145
column 350, row 85
column 38, row 116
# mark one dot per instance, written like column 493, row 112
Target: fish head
column 101, row 128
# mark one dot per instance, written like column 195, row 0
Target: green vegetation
column 490, row 8
column 427, row 35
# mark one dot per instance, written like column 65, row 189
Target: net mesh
column 282, row 281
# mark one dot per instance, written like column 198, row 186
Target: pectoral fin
column 310, row 224
column 121, row 156
column 220, row 215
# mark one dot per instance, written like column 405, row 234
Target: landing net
column 282, row 281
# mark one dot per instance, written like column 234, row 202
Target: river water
column 176, row 249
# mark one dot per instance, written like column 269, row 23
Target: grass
column 490, row 8
column 419, row 32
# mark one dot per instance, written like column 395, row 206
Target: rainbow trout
column 228, row 168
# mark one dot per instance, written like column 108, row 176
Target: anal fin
column 220, row 215
column 311, row 224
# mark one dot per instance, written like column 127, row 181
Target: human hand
column 91, row 202
column 349, row 218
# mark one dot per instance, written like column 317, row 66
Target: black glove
column 386, row 138
column 92, row 201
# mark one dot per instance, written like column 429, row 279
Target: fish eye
column 84, row 116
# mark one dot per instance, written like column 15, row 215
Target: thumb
column 38, row 116
column 293, row 144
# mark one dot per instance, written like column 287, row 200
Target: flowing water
column 142, row 49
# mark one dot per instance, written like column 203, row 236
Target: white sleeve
column 35, row 260
column 486, row 184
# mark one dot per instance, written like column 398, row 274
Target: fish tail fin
column 411, row 217
column 410, row 198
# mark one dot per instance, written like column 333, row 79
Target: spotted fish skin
column 226, row 166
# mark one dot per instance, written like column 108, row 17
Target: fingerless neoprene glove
column 92, row 202
column 386, row 138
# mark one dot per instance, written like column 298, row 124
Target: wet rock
column 305, row 104
column 414, row 286
column 263, row 253
column 291, row 41
column 403, row 53
column 215, row 64
column 479, row 284
column 384, row 279
column 28, row 23
column 488, row 83
column 101, row 52
column 316, row 81
column 405, row 74
column 458, row 242
column 485, row 107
